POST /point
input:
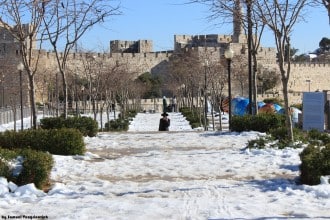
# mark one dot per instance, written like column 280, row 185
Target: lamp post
column 249, row 21
column 229, row 54
column 206, row 64
column 20, row 68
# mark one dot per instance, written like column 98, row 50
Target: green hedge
column 260, row 122
column 315, row 162
column 86, row 125
column 63, row 141
column 315, row 159
column 121, row 123
column 36, row 166
column 117, row 125
column 193, row 116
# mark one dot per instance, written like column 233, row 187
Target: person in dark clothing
column 164, row 122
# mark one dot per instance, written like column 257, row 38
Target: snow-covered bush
column 315, row 162
column 37, row 166
column 23, row 166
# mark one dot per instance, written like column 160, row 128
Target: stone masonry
column 139, row 58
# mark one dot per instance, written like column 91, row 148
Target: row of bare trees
column 58, row 23
column 278, row 16
column 95, row 83
column 194, row 73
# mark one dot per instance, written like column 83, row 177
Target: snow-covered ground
column 180, row 174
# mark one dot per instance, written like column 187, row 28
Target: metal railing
column 7, row 115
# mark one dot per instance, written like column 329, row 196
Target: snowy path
column 150, row 122
column 146, row 174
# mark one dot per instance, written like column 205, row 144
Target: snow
column 180, row 174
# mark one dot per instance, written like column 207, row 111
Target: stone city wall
column 304, row 76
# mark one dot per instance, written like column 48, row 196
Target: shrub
column 52, row 123
column 65, row 142
column 193, row 116
column 56, row 141
column 258, row 143
column 239, row 123
column 6, row 156
column 36, row 166
column 86, row 125
column 4, row 168
column 279, row 133
column 260, row 122
column 315, row 159
column 131, row 114
column 121, row 123
column 315, row 162
column 319, row 136
column 117, row 125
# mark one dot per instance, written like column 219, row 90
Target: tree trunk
column 254, row 83
column 32, row 101
column 65, row 94
column 288, row 120
column 220, row 113
column 285, row 80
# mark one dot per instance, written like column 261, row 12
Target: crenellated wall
column 136, row 62
column 304, row 76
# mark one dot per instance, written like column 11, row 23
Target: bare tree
column 267, row 79
column 218, row 77
column 326, row 4
column 186, row 72
column 281, row 16
column 22, row 19
column 66, row 22
column 240, row 73
column 225, row 12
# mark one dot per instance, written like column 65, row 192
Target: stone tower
column 140, row 46
column 238, row 35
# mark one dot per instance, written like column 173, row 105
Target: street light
column 206, row 64
column 229, row 54
column 20, row 68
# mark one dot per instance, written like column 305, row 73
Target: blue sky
column 160, row 20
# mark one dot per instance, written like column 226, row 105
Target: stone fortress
column 305, row 77
column 140, row 58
